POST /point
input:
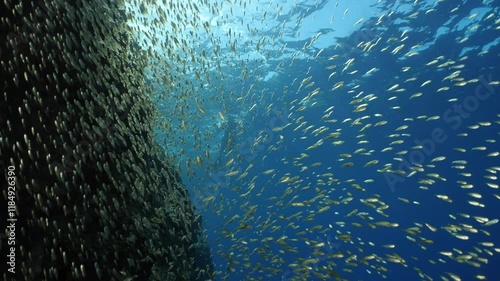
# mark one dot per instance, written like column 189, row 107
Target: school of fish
column 266, row 216
column 390, row 161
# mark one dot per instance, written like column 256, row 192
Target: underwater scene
column 339, row 140
column 252, row 139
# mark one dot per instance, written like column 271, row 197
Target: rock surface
column 96, row 199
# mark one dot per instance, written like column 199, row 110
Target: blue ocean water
column 279, row 201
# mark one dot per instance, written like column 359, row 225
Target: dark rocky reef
column 96, row 199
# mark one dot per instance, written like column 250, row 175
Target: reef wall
column 95, row 197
